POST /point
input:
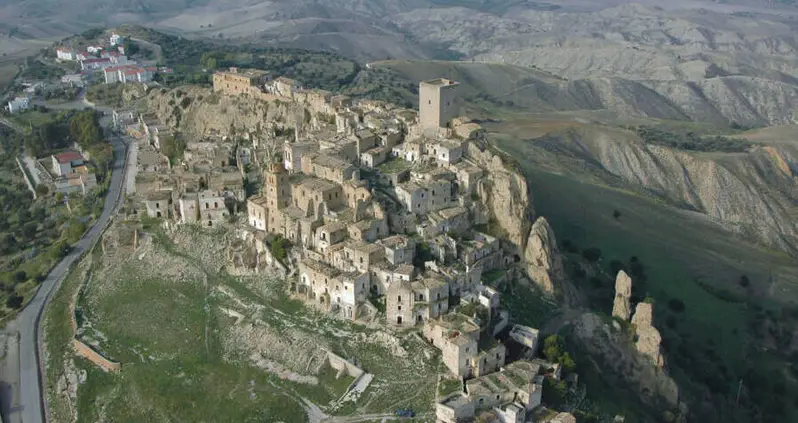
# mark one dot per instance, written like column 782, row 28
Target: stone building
column 257, row 213
column 293, row 152
column 239, row 81
column 421, row 197
column 399, row 249
column 456, row 336
column 329, row 167
column 158, row 204
column 448, row 152
column 512, row 393
column 212, row 208
column 437, row 103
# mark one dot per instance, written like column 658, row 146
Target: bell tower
column 276, row 188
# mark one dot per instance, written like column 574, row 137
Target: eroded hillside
column 752, row 193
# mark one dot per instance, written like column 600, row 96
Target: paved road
column 28, row 406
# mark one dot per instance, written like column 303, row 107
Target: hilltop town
column 373, row 213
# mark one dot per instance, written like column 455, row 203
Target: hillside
column 747, row 101
column 753, row 193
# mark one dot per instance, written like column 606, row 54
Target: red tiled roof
column 68, row 156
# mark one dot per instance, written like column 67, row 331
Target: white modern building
column 18, row 104
column 64, row 53
column 116, row 39
column 128, row 73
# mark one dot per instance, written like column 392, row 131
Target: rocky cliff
column 753, row 193
column 198, row 112
column 544, row 261
column 648, row 337
column 611, row 348
column 505, row 194
column 623, row 292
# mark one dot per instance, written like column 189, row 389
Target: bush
column 278, row 247
column 42, row 190
column 14, row 302
column 676, row 305
column 592, row 254
column 20, row 276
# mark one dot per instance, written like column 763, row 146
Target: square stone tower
column 437, row 103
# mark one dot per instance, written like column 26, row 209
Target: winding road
column 23, row 400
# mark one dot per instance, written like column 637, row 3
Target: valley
column 661, row 137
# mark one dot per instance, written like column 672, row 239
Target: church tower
column 276, row 187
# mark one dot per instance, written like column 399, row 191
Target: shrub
column 676, row 305
column 592, row 254
column 42, row 190
column 14, row 302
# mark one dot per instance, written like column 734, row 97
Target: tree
column 85, row 129
column 14, row 302
column 592, row 254
column 29, row 231
column 42, row 190
column 554, row 392
column 59, row 250
column 553, row 347
column 74, row 231
column 568, row 363
column 20, row 276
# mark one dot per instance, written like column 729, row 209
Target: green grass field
column 162, row 315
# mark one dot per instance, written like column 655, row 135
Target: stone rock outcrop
column 609, row 348
column 209, row 113
column 623, row 291
column 543, row 257
column 648, row 337
column 644, row 315
column 504, row 192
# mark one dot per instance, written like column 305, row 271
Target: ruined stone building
column 237, row 81
column 513, row 393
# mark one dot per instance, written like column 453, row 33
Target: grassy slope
column 170, row 338
column 678, row 249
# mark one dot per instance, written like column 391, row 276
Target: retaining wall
column 85, row 351
column 344, row 366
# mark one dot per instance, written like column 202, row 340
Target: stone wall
column 85, row 351
column 343, row 366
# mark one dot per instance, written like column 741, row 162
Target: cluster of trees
column 691, row 141
column 62, row 130
column 554, row 391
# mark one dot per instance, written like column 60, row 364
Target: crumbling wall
column 343, row 366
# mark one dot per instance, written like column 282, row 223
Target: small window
column 399, row 299
column 399, row 308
